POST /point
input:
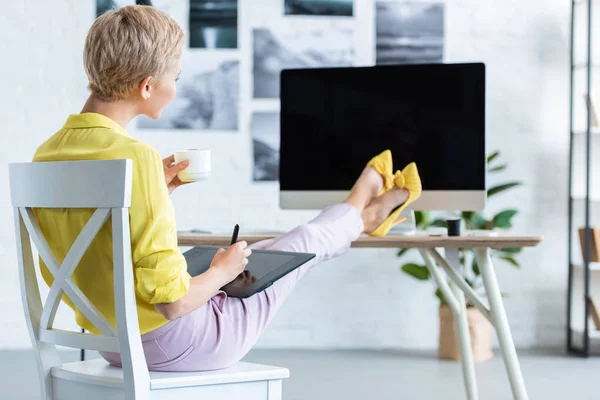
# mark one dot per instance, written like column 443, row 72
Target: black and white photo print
column 409, row 32
column 207, row 96
column 213, row 24
column 265, row 144
column 284, row 47
column 319, row 7
column 103, row 6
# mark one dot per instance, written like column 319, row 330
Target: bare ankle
column 356, row 201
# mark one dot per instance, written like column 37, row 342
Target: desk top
column 390, row 241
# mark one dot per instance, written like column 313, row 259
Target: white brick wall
column 361, row 299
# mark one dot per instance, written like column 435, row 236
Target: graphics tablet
column 264, row 267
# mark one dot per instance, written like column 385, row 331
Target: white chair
column 106, row 187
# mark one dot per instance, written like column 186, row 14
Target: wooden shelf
column 594, row 266
column 583, row 65
column 594, row 334
column 581, row 197
column 580, row 172
column 583, row 2
column 582, row 133
column 577, row 337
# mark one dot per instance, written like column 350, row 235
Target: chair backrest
column 102, row 185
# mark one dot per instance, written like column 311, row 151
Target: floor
column 386, row 375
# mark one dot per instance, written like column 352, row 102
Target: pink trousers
column 220, row 333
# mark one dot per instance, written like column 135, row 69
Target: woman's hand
column 171, row 170
column 225, row 267
column 231, row 262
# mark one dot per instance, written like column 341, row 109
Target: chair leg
column 274, row 391
column 500, row 322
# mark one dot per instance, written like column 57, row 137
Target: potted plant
column 479, row 327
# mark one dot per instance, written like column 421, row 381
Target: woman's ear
column 145, row 87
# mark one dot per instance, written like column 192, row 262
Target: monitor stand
column 408, row 227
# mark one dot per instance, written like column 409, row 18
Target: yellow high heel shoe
column 409, row 179
column 383, row 165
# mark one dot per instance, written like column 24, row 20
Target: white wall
column 361, row 299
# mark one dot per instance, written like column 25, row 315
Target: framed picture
column 207, row 97
column 265, row 143
column 409, row 32
column 281, row 47
column 343, row 8
column 213, row 24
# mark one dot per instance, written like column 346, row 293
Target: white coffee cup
column 199, row 166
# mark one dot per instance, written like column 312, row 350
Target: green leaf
column 492, row 156
column 475, row 267
column 511, row 260
column 501, row 188
column 416, row 271
column 401, row 252
column 438, row 223
column 467, row 215
column 440, row 296
column 422, row 219
column 479, row 222
column 511, row 250
column 503, row 219
column 498, row 168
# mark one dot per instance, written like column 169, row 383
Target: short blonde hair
column 127, row 45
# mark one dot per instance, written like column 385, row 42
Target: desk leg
column 500, row 321
column 456, row 300
column 462, row 330
column 464, row 344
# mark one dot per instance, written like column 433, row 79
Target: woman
column 132, row 59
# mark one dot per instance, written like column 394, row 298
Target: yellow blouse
column 160, row 268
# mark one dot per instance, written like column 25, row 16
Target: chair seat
column 99, row 372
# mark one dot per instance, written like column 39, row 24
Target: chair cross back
column 103, row 185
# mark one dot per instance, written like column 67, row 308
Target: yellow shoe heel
column 409, row 179
column 383, row 165
column 391, row 221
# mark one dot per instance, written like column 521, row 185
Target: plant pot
column 480, row 332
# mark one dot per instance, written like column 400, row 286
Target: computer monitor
column 334, row 120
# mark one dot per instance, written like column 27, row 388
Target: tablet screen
column 265, row 265
column 260, row 264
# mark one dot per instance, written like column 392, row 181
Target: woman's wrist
column 216, row 276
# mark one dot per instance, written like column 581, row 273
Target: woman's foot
column 381, row 207
column 408, row 179
column 383, row 165
column 367, row 186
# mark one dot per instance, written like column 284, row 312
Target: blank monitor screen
column 334, row 120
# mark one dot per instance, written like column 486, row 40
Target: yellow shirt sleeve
column 160, row 268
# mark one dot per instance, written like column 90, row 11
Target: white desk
column 454, row 293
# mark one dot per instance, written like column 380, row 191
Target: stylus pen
column 236, row 230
